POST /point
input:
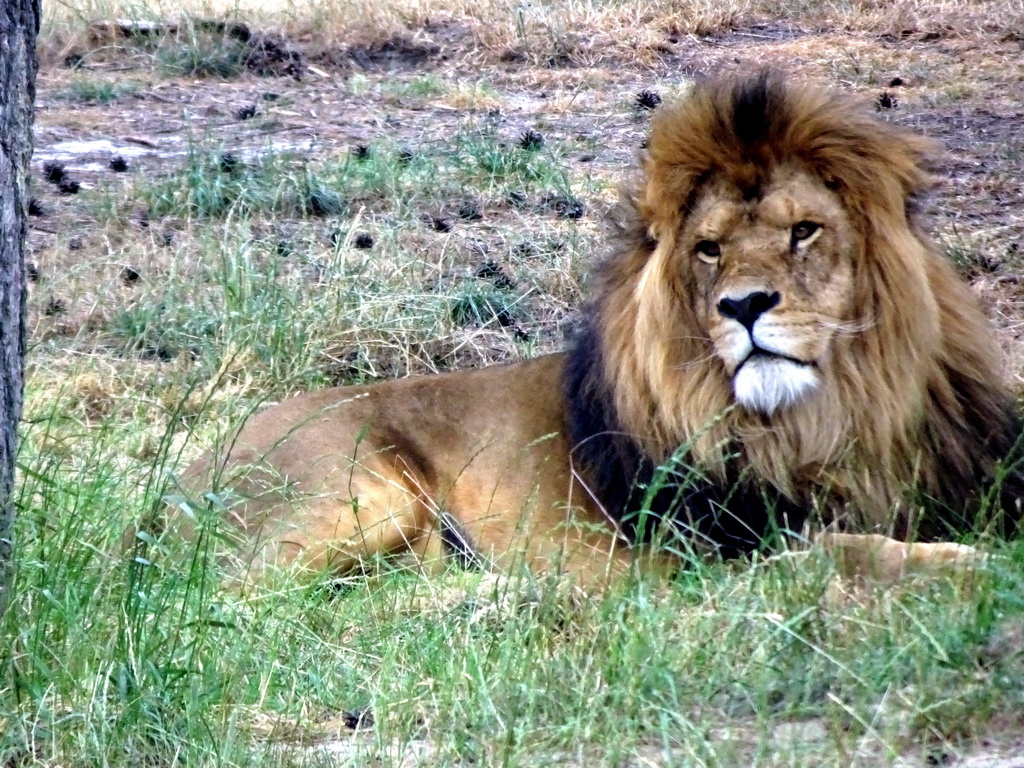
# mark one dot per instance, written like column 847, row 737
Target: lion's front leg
column 880, row 559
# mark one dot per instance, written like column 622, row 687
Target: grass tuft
column 92, row 90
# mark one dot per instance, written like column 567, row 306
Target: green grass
column 195, row 50
column 93, row 90
column 224, row 60
column 141, row 658
column 422, row 86
column 214, row 182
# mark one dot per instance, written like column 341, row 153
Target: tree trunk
column 19, row 26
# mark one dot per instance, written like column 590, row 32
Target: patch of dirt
column 398, row 51
column 758, row 34
column 800, row 741
column 965, row 92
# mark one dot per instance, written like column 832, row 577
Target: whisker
column 697, row 361
column 847, row 327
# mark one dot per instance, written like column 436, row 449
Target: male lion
column 774, row 336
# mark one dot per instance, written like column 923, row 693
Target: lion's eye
column 708, row 251
column 803, row 230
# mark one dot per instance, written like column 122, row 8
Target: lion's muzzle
column 766, row 382
column 768, row 370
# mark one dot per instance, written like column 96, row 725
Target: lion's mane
column 913, row 423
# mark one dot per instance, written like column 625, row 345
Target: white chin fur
column 767, row 384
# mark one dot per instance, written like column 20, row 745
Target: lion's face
column 772, row 283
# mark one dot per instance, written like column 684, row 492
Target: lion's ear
column 646, row 214
column 657, row 231
column 831, row 182
column 641, row 224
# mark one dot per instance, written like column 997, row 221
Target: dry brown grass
column 577, row 32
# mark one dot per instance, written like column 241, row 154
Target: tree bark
column 19, row 27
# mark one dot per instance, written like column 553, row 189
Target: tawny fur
column 535, row 460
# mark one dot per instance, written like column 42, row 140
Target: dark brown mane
column 743, row 128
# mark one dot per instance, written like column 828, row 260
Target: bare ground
column 964, row 88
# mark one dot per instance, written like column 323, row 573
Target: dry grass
column 577, row 32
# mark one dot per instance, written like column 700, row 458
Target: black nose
column 749, row 308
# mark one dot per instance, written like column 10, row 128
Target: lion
column 772, row 340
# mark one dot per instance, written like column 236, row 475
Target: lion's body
column 774, row 331
column 472, row 464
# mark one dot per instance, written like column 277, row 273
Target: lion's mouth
column 768, row 381
column 760, row 353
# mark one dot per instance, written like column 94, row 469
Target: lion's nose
column 747, row 309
